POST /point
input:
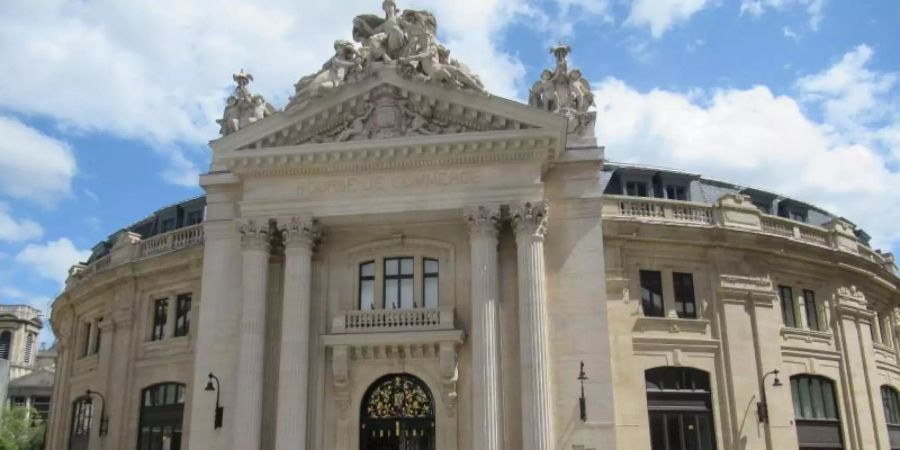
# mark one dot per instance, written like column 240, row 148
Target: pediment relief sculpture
column 385, row 112
column 566, row 93
column 406, row 42
column 242, row 107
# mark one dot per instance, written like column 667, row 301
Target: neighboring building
column 377, row 267
column 31, row 370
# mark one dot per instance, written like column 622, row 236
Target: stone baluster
column 248, row 407
column 529, row 222
column 293, row 371
column 487, row 408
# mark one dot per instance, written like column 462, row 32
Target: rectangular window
column 685, row 303
column 676, row 193
column 86, row 339
column 430, row 283
column 194, row 217
column 29, row 344
column 636, row 189
column 97, row 339
column 367, row 286
column 787, row 306
column 160, row 315
column 167, row 225
column 812, row 310
column 797, row 216
column 183, row 315
column 651, row 293
column 398, row 283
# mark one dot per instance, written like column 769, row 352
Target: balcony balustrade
column 393, row 320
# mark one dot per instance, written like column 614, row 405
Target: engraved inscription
column 388, row 182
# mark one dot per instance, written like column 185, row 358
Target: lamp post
column 104, row 420
column 582, row 402
column 217, row 422
column 762, row 407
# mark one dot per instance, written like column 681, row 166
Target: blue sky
column 106, row 108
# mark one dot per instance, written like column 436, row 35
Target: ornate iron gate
column 397, row 414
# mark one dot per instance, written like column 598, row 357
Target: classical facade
column 26, row 371
column 400, row 260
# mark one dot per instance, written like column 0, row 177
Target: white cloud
column 754, row 138
column 12, row 230
column 661, row 15
column 33, row 166
column 790, row 34
column 815, row 9
column 53, row 259
column 850, row 93
column 159, row 71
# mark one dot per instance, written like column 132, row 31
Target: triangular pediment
column 389, row 107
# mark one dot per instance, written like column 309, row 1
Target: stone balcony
column 736, row 212
column 393, row 320
column 130, row 247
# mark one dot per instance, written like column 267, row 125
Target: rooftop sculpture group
column 566, row 93
column 242, row 107
column 406, row 40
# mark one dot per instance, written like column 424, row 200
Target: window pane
column 406, row 266
column 685, row 303
column 431, row 292
column 431, row 266
column 673, row 429
column 391, row 266
column 657, row 432
column 651, row 293
column 828, row 400
column 391, row 294
column 816, row 397
column 367, row 295
column 367, row 269
column 787, row 306
column 812, row 316
column 406, row 293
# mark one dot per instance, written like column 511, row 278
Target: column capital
column 530, row 218
column 482, row 220
column 254, row 234
column 299, row 232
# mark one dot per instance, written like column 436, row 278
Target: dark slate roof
column 168, row 218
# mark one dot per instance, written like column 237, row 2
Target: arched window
column 5, row 339
column 162, row 414
column 82, row 413
column 816, row 413
column 679, row 404
column 397, row 412
column 891, row 400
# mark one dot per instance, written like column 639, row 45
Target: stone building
column 399, row 260
column 28, row 370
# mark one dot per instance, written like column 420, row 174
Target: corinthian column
column 293, row 371
column 487, row 406
column 248, row 401
column 530, row 221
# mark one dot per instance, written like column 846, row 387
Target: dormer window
column 676, row 192
column 637, row 189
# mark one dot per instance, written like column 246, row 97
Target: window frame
column 426, row 275
column 811, row 307
column 680, row 302
column 399, row 277
column 787, row 303
column 183, row 314
column 366, row 278
column 159, row 321
column 685, row 191
column 644, row 301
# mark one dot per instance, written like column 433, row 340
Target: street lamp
column 217, row 423
column 582, row 402
column 104, row 420
column 762, row 407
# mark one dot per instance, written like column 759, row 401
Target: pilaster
column 487, row 400
column 530, row 224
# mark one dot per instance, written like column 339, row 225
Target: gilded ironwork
column 399, row 397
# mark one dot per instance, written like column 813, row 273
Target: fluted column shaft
column 293, row 371
column 248, row 400
column 529, row 221
column 487, row 406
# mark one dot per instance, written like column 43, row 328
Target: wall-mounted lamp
column 217, row 423
column 762, row 407
column 104, row 420
column 582, row 402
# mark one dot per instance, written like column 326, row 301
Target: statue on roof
column 566, row 93
column 242, row 107
column 344, row 66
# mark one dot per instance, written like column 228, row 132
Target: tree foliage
column 22, row 429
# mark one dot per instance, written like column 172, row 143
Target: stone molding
column 255, row 235
column 482, row 221
column 530, row 219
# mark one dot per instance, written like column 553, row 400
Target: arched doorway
column 162, row 414
column 679, row 403
column 397, row 413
